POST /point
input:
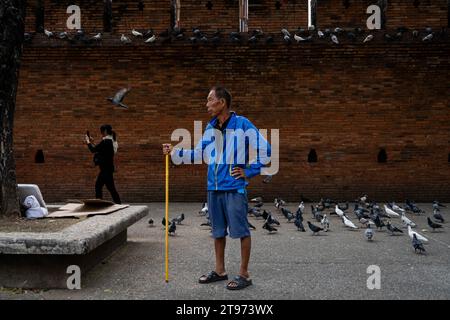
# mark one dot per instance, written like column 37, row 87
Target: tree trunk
column 12, row 16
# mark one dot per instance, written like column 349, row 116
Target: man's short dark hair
column 223, row 93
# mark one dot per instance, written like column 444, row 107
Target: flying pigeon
column 320, row 34
column 369, row 233
column 417, row 244
column 419, row 236
column 119, row 96
column 433, row 225
column 315, row 229
column 150, row 222
column 257, row 199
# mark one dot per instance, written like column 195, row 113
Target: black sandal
column 240, row 283
column 212, row 277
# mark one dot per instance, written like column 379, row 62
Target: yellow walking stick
column 167, row 218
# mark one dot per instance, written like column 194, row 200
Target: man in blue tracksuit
column 235, row 151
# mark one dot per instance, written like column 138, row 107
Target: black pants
column 105, row 177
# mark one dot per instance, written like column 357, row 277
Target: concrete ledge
column 40, row 260
column 80, row 238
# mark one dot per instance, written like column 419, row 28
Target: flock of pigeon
column 368, row 215
column 300, row 35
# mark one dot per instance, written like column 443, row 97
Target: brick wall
column 346, row 102
column 432, row 13
column 224, row 14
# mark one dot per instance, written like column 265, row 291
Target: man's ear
column 223, row 101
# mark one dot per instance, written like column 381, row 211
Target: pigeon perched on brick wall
column 334, row 39
column 136, row 33
column 285, row 32
column 124, row 39
column 428, row 38
column 368, row 38
column 118, row 98
column 97, row 37
column 48, row 33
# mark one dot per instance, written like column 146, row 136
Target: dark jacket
column 103, row 154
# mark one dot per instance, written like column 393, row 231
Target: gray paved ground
column 285, row 265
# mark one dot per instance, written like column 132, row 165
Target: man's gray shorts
column 228, row 209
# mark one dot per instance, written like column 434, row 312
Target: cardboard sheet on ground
column 86, row 207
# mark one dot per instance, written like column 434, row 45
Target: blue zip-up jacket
column 220, row 166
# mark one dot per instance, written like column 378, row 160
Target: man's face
column 215, row 106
